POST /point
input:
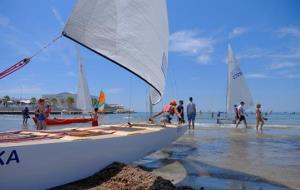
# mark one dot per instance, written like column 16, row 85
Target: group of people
column 240, row 116
column 41, row 113
column 171, row 109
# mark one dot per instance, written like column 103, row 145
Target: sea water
column 216, row 156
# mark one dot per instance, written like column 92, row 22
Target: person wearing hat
column 191, row 113
column 167, row 113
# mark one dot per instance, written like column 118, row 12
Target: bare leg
column 237, row 124
column 193, row 122
column 189, row 124
column 261, row 125
column 245, row 122
column 257, row 123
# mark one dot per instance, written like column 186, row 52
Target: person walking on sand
column 191, row 113
column 241, row 114
column 167, row 113
column 259, row 118
column 95, row 118
column 180, row 110
column 25, row 113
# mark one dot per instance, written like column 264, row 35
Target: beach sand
column 118, row 176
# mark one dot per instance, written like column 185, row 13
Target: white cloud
column 114, row 90
column 256, row 76
column 189, row 43
column 288, row 74
column 57, row 17
column 237, row 32
column 289, row 31
column 70, row 74
column 203, row 59
column 283, row 65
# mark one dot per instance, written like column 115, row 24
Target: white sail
column 237, row 89
column 83, row 101
column 131, row 33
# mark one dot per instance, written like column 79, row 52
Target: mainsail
column 131, row 33
column 83, row 101
column 101, row 102
column 237, row 89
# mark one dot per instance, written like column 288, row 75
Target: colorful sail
column 101, row 102
column 237, row 89
column 131, row 33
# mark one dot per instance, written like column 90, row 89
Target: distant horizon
column 264, row 36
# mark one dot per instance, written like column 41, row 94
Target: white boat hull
column 46, row 165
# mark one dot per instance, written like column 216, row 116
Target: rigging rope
column 26, row 60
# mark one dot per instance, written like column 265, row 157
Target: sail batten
column 131, row 33
column 237, row 89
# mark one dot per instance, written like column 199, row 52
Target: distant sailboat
column 131, row 33
column 237, row 88
column 101, row 102
column 84, row 101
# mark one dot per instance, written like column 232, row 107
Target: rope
column 46, row 46
column 130, row 94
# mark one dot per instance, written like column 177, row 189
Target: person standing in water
column 241, row 114
column 236, row 112
column 25, row 114
column 180, row 110
column 95, row 118
column 191, row 112
column 259, row 118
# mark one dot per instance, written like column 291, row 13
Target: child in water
column 259, row 118
column 95, row 118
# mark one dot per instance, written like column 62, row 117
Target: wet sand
column 229, row 158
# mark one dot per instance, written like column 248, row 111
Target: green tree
column 94, row 102
column 6, row 99
column 70, row 101
column 33, row 100
column 54, row 102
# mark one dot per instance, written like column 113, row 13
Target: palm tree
column 70, row 101
column 6, row 99
column 33, row 101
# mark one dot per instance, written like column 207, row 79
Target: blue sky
column 264, row 35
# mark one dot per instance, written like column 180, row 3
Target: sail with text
column 237, row 89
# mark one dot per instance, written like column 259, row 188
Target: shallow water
column 219, row 156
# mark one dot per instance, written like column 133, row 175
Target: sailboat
column 237, row 88
column 130, row 33
column 83, row 101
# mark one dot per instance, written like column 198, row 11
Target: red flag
column 15, row 67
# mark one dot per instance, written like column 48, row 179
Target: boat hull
column 64, row 121
column 46, row 165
